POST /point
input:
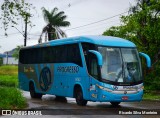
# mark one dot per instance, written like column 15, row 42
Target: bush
column 11, row 98
column 152, row 80
column 9, row 80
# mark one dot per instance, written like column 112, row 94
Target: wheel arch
column 77, row 85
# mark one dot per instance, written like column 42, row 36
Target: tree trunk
column 49, row 35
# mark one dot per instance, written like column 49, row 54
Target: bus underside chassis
column 32, row 91
column 79, row 96
column 61, row 99
column 115, row 103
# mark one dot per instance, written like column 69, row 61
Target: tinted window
column 86, row 47
column 93, row 66
column 57, row 54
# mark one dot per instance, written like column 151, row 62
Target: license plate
column 124, row 97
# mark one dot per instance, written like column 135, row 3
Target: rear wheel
column 115, row 103
column 33, row 92
column 79, row 97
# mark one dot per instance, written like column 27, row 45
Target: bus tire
column 79, row 97
column 115, row 103
column 32, row 91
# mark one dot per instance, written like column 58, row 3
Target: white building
column 10, row 60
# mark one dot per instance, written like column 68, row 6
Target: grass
column 8, row 70
column 10, row 96
column 9, row 76
column 9, row 80
column 151, row 95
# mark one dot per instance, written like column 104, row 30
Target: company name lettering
column 69, row 69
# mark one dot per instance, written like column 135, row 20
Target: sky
column 82, row 14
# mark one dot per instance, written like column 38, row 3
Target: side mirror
column 98, row 55
column 148, row 60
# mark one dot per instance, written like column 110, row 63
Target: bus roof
column 98, row 40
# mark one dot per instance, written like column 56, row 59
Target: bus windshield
column 120, row 65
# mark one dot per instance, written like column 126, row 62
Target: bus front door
column 93, row 71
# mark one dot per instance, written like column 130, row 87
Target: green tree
column 142, row 26
column 16, row 52
column 13, row 10
column 54, row 20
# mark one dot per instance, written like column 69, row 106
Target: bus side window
column 73, row 54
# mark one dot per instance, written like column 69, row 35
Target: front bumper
column 106, row 96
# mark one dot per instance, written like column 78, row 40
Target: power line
column 88, row 23
column 104, row 24
column 96, row 21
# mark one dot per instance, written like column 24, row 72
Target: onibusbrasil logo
column 45, row 79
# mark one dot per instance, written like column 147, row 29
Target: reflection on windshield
column 131, row 65
column 120, row 64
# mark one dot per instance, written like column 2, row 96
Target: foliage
column 16, row 52
column 13, row 10
column 151, row 96
column 9, row 76
column 152, row 81
column 54, row 20
column 142, row 26
column 9, row 80
column 11, row 98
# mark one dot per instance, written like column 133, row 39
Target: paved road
column 49, row 105
column 69, row 106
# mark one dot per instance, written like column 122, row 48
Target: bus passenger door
column 94, row 76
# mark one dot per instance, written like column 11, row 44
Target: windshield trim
column 115, row 46
column 121, row 83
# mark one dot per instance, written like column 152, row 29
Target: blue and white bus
column 87, row 68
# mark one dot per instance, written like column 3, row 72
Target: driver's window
column 93, row 70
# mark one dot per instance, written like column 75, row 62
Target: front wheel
column 33, row 92
column 79, row 97
column 115, row 103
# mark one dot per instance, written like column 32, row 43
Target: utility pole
column 25, row 34
column 7, row 58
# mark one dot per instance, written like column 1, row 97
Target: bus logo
column 115, row 87
column 45, row 79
